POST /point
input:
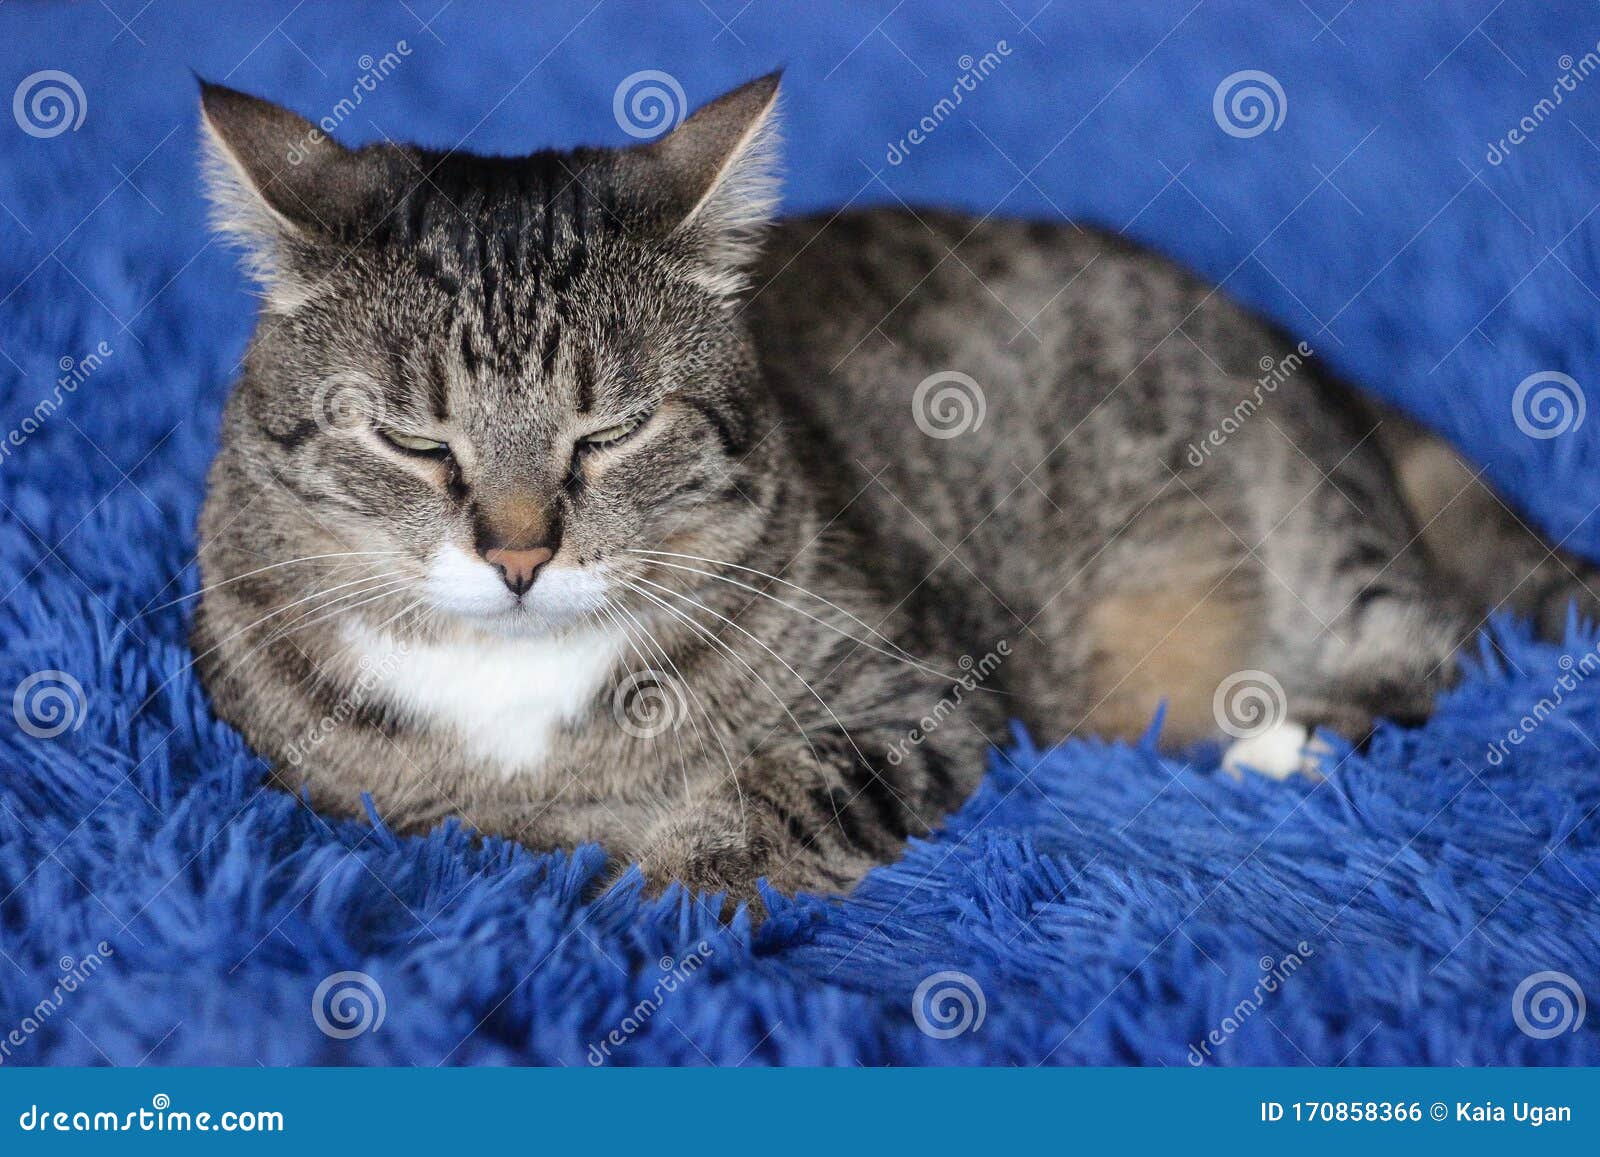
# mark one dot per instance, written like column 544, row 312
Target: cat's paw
column 704, row 859
column 1282, row 750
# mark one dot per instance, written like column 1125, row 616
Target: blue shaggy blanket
column 1411, row 189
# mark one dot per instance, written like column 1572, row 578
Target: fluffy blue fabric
column 1112, row 906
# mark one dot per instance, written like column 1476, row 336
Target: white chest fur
column 502, row 700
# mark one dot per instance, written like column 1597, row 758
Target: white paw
column 1284, row 749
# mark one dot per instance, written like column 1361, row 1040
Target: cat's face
column 515, row 373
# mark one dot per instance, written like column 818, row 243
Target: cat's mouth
column 477, row 594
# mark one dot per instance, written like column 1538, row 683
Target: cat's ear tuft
column 723, row 165
column 278, row 182
column 262, row 164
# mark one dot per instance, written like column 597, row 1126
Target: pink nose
column 518, row 567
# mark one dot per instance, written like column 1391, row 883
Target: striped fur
column 795, row 620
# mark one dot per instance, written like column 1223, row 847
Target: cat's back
column 840, row 292
column 942, row 347
column 1055, row 310
column 918, row 258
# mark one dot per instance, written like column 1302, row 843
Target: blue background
column 1370, row 223
column 1113, row 905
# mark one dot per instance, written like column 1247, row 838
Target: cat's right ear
column 281, row 186
column 714, row 180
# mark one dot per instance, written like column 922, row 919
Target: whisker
column 383, row 590
column 711, row 637
column 263, row 569
column 865, row 762
column 688, row 687
column 786, row 582
column 402, row 611
column 296, row 603
column 297, row 624
column 244, row 630
column 301, row 621
column 904, row 656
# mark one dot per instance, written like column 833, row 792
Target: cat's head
column 510, row 371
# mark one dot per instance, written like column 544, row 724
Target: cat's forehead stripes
column 520, row 227
column 507, row 240
column 415, row 382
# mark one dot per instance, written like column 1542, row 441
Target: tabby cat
column 571, row 495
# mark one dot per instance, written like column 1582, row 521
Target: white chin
column 517, row 619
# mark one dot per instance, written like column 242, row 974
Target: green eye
column 611, row 435
column 414, row 444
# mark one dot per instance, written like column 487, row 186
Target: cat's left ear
column 721, row 167
column 284, row 189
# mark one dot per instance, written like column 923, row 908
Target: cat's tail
column 1482, row 545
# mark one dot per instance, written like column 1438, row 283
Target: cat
column 574, row 496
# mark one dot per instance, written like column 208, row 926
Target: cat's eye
column 611, row 435
column 415, row 443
